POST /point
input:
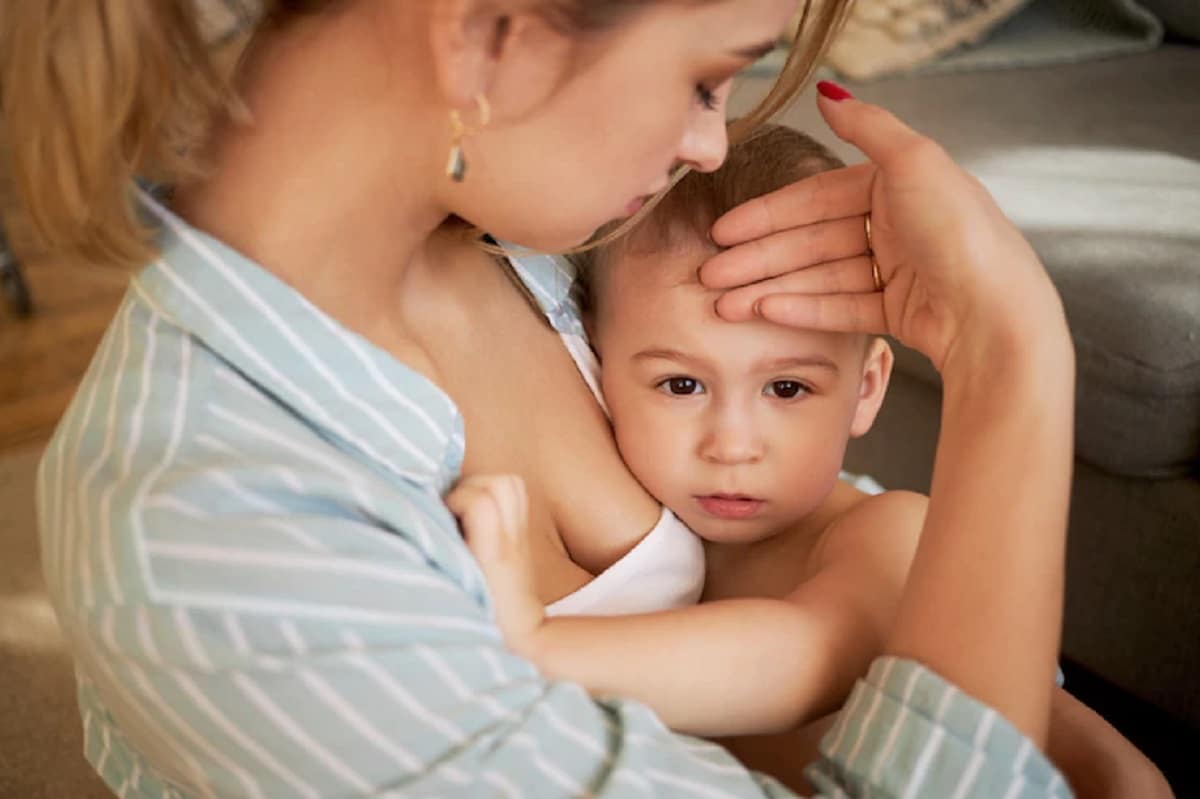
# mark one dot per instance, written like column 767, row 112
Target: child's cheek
column 650, row 445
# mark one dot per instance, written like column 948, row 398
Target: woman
column 241, row 513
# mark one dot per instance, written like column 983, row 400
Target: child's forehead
column 659, row 296
column 635, row 273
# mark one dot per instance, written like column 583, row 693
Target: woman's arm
column 984, row 599
column 962, row 286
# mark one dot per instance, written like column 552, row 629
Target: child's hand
column 493, row 512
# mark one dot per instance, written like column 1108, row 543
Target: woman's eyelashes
column 711, row 94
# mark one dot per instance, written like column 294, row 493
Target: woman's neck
column 333, row 186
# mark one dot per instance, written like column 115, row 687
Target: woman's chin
column 551, row 243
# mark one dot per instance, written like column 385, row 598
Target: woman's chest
column 527, row 411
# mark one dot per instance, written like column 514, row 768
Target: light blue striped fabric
column 244, row 539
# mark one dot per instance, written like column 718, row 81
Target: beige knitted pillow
column 887, row 36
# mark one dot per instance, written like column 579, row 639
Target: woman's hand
column 961, row 285
column 493, row 512
column 952, row 267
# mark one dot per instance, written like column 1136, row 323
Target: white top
column 666, row 568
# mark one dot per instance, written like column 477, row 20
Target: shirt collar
column 353, row 393
column 550, row 279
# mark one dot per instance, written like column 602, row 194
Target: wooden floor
column 43, row 357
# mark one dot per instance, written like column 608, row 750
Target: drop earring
column 456, row 163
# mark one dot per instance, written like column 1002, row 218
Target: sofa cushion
column 1182, row 17
column 1099, row 164
column 882, row 37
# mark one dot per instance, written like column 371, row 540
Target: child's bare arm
column 731, row 667
column 863, row 565
column 1096, row 759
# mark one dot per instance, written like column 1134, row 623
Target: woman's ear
column 500, row 49
column 877, row 371
column 460, row 41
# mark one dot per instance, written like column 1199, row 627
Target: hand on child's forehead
column 676, row 267
column 659, row 295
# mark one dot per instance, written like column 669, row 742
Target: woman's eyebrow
column 755, row 51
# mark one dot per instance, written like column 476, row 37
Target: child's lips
column 729, row 506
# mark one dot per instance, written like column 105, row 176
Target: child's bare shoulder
column 882, row 530
column 862, row 559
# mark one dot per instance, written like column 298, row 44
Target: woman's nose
column 705, row 141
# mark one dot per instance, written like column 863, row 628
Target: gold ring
column 875, row 273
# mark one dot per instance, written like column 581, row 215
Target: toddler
column 740, row 430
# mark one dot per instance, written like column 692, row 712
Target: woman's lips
column 725, row 506
column 634, row 206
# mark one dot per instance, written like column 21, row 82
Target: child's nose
column 732, row 443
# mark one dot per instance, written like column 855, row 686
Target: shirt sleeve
column 307, row 655
column 906, row 732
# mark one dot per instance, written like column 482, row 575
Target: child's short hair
column 773, row 157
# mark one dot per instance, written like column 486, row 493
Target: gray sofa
column 1099, row 164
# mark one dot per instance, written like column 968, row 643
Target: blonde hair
column 91, row 94
column 94, row 93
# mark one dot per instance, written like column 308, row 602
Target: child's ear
column 877, row 371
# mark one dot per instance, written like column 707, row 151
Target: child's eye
column 707, row 97
column 681, row 386
column 785, row 389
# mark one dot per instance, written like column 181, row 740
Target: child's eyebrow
column 666, row 354
column 797, row 361
column 769, row 365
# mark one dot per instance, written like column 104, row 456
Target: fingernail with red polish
column 829, row 89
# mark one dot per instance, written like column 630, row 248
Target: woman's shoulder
column 172, row 464
column 165, row 417
column 140, row 389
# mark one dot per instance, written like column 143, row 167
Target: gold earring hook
column 456, row 164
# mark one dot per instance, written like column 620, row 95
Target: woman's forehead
column 734, row 28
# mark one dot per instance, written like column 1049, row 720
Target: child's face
column 739, row 428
